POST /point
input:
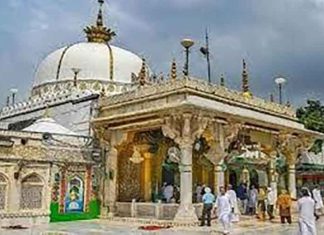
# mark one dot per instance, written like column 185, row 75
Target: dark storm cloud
column 277, row 38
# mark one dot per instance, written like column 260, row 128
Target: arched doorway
column 233, row 178
column 254, row 178
column 74, row 198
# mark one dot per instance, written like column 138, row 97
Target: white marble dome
column 94, row 60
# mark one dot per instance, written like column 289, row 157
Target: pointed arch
column 74, row 198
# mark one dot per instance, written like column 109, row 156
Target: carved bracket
column 231, row 131
column 185, row 128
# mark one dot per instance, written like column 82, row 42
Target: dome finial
column 222, row 80
column 99, row 33
column 245, row 81
column 99, row 17
column 142, row 76
column 173, row 72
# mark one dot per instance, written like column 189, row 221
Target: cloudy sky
column 277, row 38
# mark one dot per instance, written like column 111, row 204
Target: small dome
column 49, row 125
column 96, row 61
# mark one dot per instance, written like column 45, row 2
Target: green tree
column 312, row 116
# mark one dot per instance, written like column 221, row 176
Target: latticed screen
column 3, row 192
column 31, row 193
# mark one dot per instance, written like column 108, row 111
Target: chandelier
column 136, row 157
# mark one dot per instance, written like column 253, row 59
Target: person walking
column 234, row 206
column 252, row 200
column 306, row 220
column 271, row 200
column 243, row 197
column 261, row 204
column 318, row 201
column 284, row 205
column 224, row 211
column 208, row 199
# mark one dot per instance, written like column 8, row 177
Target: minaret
column 98, row 32
column 245, row 81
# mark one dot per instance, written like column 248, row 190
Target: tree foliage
column 312, row 116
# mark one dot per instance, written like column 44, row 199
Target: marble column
column 184, row 130
column 186, row 211
column 111, row 195
column 273, row 177
column 219, row 178
column 292, row 180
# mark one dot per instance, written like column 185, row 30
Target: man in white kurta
column 306, row 207
column 233, row 201
column 318, row 200
column 271, row 201
column 224, row 210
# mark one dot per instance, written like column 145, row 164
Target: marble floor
column 102, row 227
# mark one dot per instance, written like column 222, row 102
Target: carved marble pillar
column 273, row 175
column 292, row 180
column 110, row 141
column 219, row 178
column 111, row 181
column 192, row 128
column 186, row 210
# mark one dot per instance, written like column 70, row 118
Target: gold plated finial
column 222, row 80
column 271, row 97
column 142, row 73
column 173, row 74
column 245, row 81
column 99, row 33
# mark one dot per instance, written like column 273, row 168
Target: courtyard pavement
column 104, row 227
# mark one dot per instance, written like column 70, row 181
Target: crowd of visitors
column 229, row 204
column 262, row 202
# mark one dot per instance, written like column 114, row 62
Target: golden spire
column 245, row 81
column 142, row 73
column 173, row 73
column 99, row 33
column 271, row 97
column 222, row 80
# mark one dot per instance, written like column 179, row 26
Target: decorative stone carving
column 31, row 193
column 290, row 145
column 219, row 92
column 231, row 131
column 3, row 192
column 214, row 138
